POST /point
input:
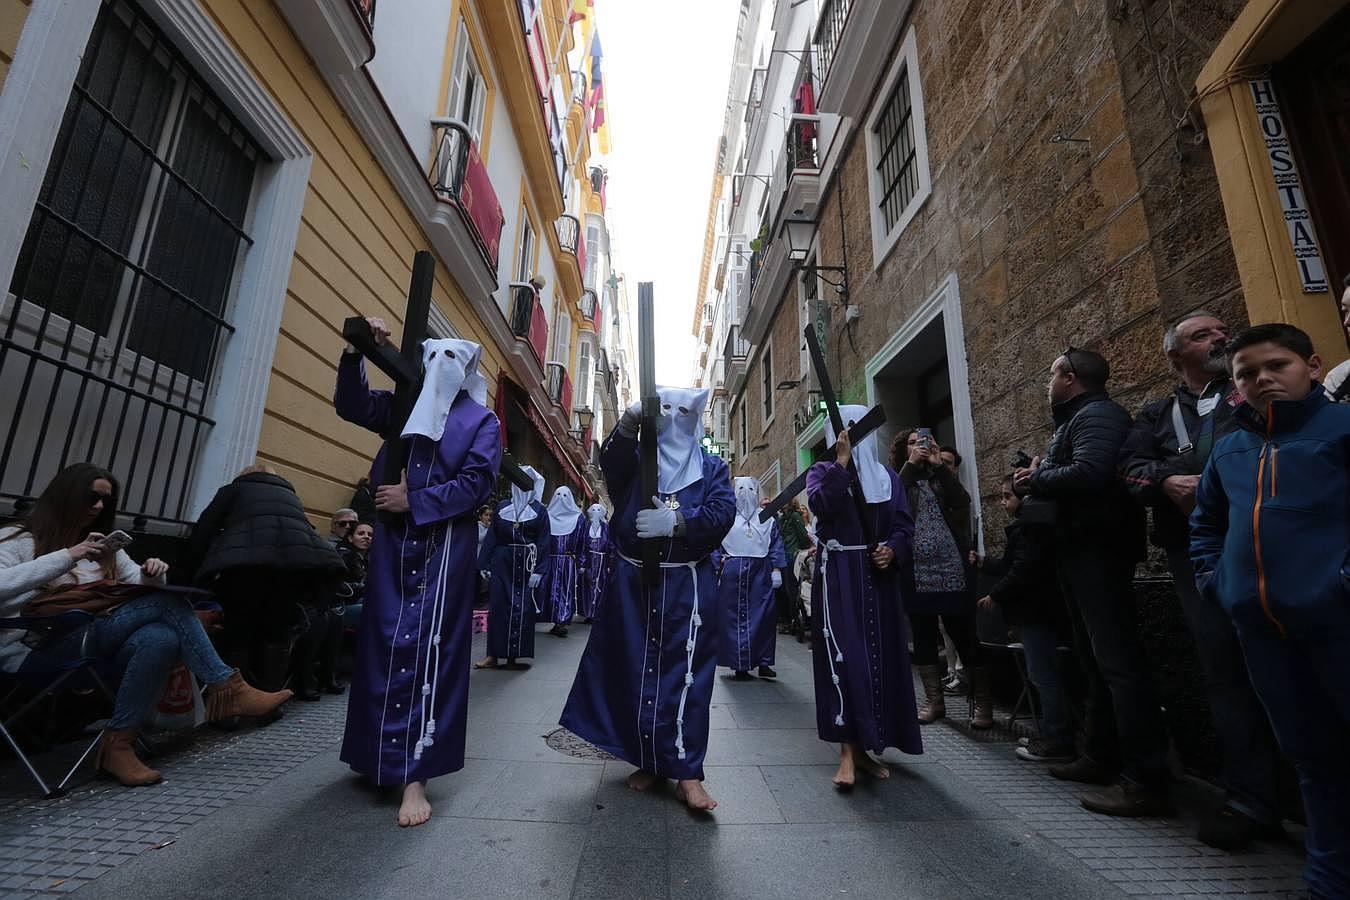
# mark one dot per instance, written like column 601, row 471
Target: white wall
column 410, row 43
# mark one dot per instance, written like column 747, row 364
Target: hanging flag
column 580, row 10
column 597, row 101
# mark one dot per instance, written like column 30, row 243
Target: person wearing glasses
column 1099, row 536
column 344, row 520
column 59, row 549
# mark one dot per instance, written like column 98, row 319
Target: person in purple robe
column 645, row 681
column 753, row 558
column 860, row 662
column 599, row 563
column 408, row 705
column 514, row 555
column 562, row 580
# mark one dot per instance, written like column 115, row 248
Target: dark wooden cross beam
column 875, row 418
column 404, row 368
column 651, row 409
column 837, row 422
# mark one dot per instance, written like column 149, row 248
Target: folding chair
column 48, row 680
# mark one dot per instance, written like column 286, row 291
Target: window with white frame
column 897, row 151
column 468, row 89
column 585, row 381
column 592, row 255
column 525, row 253
column 766, row 371
column 562, row 337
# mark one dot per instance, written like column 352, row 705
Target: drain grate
column 565, row 742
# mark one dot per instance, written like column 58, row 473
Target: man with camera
column 1161, row 462
column 1099, row 539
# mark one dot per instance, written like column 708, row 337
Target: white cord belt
column 827, row 629
column 695, row 622
column 431, row 671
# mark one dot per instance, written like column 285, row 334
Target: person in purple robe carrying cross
column 644, row 685
column 860, row 663
column 407, row 710
column 753, row 559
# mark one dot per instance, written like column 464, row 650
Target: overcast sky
column 665, row 69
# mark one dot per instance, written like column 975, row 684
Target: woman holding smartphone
column 943, row 579
column 57, row 559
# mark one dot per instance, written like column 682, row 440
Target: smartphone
column 115, row 541
column 1021, row 460
column 925, row 437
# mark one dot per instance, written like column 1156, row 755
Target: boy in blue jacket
column 1269, row 539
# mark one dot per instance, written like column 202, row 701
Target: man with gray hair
column 344, row 520
column 1161, row 462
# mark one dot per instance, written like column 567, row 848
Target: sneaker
column 1128, row 800
column 1084, row 770
column 1228, row 829
column 954, row 684
column 1041, row 750
column 767, row 672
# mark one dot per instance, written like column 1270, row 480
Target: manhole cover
column 564, row 741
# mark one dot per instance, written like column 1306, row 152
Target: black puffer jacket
column 1079, row 474
column 257, row 521
column 1027, row 588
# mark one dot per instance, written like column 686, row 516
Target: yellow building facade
column 352, row 160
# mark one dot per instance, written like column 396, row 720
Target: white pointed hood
column 876, row 481
column 748, row 535
column 449, row 366
column 677, row 444
column 521, row 508
column 563, row 512
column 598, row 516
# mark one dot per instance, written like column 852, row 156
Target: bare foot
column 641, row 780
column 487, row 662
column 692, row 794
column 844, row 778
column 415, row 809
column 874, row 767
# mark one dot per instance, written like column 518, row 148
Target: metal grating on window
column 897, row 168
column 117, row 308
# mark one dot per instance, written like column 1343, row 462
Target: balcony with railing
column 589, row 306
column 528, row 321
column 558, row 386
column 569, row 232
column 459, row 178
column 735, row 354
column 854, row 42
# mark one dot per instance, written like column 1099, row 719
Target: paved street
column 271, row 813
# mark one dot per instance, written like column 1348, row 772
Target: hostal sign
column 1289, row 186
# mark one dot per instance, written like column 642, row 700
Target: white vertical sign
column 1289, row 186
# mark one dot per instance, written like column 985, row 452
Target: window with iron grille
column 117, row 309
column 766, row 369
column 897, row 171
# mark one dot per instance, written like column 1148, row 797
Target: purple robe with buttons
column 651, row 655
column 598, row 571
column 511, row 553
column 412, row 655
column 749, row 622
column 861, row 608
column 562, row 580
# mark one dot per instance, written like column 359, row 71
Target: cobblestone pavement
column 271, row 813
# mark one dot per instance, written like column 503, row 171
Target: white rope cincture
column 532, row 560
column 690, row 644
column 827, row 629
column 431, row 672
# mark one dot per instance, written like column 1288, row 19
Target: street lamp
column 584, row 419
column 800, row 231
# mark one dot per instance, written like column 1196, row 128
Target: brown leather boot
column 983, row 714
column 117, row 756
column 235, row 697
column 936, row 705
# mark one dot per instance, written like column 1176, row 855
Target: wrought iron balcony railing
column 569, row 232
column 366, row 10
column 527, row 318
column 830, row 28
column 801, row 151
column 459, row 176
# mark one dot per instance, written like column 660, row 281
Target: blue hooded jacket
column 1270, row 534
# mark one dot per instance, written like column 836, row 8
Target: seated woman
column 58, row 547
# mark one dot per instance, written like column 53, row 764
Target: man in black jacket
column 1161, row 462
column 1099, row 536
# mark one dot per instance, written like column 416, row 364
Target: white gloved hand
column 535, row 579
column 657, row 522
column 776, row 579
